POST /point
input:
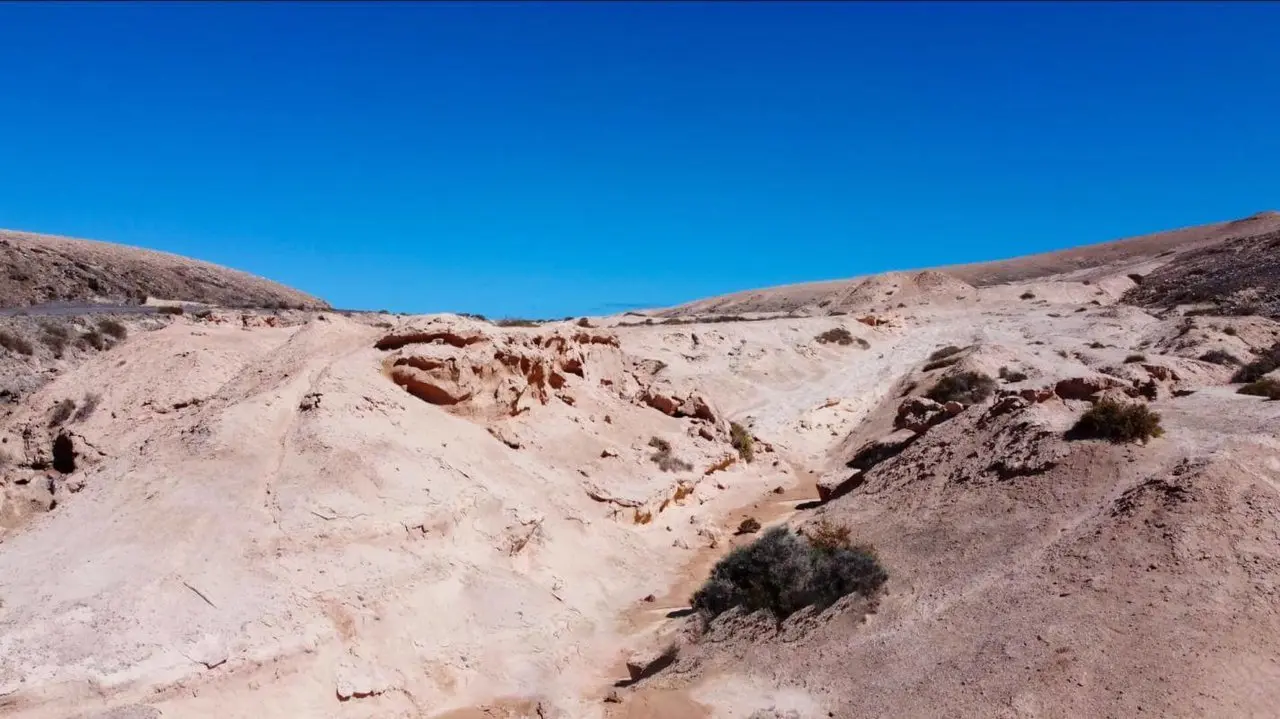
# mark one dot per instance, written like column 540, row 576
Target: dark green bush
column 782, row 572
column 963, row 387
column 1118, row 422
column 1265, row 387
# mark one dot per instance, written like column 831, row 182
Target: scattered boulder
column 836, row 485
column 1037, row 395
column 1160, row 372
column 919, row 414
column 646, row 663
column 878, row 450
column 1084, row 388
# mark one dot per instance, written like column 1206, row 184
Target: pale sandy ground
column 266, row 525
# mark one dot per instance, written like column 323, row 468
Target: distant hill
column 1085, row 262
column 43, row 268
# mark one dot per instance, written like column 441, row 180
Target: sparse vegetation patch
column 15, row 343
column 1221, row 357
column 741, row 440
column 1135, row 358
column 783, row 572
column 1009, row 375
column 1266, row 361
column 1118, row 422
column 666, row 461
column 1265, row 387
column 964, row 387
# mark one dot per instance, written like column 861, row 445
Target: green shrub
column 963, row 387
column 783, row 572
column 1265, row 387
column 741, row 440
column 1118, row 422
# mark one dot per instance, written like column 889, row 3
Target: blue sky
column 560, row 159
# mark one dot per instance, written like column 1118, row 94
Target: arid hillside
column 1088, row 262
column 1046, row 496
column 41, row 269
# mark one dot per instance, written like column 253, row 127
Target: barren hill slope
column 45, row 268
column 234, row 515
column 1085, row 262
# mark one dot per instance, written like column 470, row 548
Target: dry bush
column 94, row 339
column 16, row 343
column 829, row 535
column 1230, row 331
column 741, row 440
column 516, row 322
column 963, row 387
column 724, row 463
column 1265, row 387
column 664, row 459
column 61, row 412
column 945, row 352
column 836, row 335
column 1267, row 361
column 113, row 328
column 750, row 525
column 1221, row 357
column 171, row 310
column 1118, row 422
column 782, row 572
column 87, row 407
column 1009, row 375
column 1028, row 295
column 584, row 322
column 1135, row 358
column 1096, row 345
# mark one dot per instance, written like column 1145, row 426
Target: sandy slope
column 465, row 521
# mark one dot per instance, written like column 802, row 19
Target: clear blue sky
column 557, row 159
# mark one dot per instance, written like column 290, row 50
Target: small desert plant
column 750, row 525
column 94, row 339
column 1009, row 375
column 55, row 337
column 944, row 352
column 87, row 407
column 1118, row 422
column 1265, row 387
column 1267, row 360
column 170, row 310
column 16, row 343
column 1221, row 357
column 1230, row 331
column 113, row 328
column 61, row 412
column 584, row 322
column 516, row 322
column 837, row 335
column 964, row 387
column 1028, row 295
column 1135, row 358
column 1096, row 345
column 741, row 440
column 783, row 572
column 829, row 536
column 664, row 459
